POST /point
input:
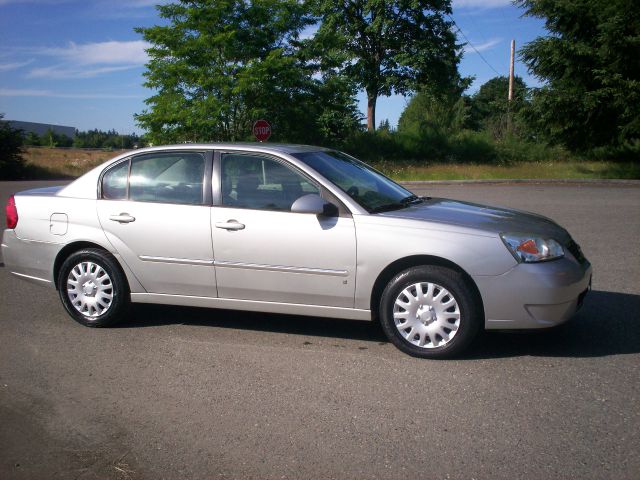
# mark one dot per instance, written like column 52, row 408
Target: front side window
column 257, row 182
column 167, row 178
column 369, row 188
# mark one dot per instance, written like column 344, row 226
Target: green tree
column 11, row 161
column 591, row 67
column 53, row 139
column 429, row 111
column 79, row 141
column 32, row 139
column 389, row 46
column 333, row 104
column 333, row 111
column 64, row 141
column 385, row 126
column 216, row 67
column 490, row 106
column 110, row 139
column 49, row 139
column 430, row 122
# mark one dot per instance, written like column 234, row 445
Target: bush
column 11, row 162
column 472, row 147
column 429, row 146
column 627, row 152
column 375, row 146
column 464, row 147
column 515, row 150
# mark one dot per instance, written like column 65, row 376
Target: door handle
column 122, row 218
column 230, row 225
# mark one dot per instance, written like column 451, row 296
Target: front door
column 265, row 252
column 154, row 211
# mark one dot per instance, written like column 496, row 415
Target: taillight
column 12, row 213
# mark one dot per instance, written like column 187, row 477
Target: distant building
column 42, row 128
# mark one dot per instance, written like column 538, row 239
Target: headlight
column 532, row 248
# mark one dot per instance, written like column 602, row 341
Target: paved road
column 178, row 392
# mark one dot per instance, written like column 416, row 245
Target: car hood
column 482, row 217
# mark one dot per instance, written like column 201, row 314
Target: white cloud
column 111, row 53
column 143, row 3
column 19, row 92
column 61, row 72
column 89, row 60
column 41, row 2
column 488, row 45
column 5, row 67
column 480, row 3
column 120, row 3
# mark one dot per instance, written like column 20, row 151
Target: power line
column 473, row 46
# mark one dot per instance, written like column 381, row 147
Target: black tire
column 470, row 313
column 116, row 286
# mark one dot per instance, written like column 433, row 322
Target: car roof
column 256, row 146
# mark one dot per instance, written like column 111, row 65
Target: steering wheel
column 353, row 191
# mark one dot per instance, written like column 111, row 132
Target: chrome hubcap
column 89, row 289
column 426, row 315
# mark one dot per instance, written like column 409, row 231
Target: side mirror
column 313, row 203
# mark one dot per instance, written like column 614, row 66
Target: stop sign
column 262, row 130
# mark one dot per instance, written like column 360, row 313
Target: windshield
column 369, row 188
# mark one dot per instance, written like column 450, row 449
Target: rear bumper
column 537, row 295
column 28, row 259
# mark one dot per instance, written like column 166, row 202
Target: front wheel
column 430, row 312
column 92, row 288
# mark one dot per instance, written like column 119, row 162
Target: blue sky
column 79, row 63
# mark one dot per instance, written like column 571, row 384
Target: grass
column 43, row 163
column 54, row 163
column 526, row 170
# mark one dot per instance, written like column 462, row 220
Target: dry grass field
column 43, row 162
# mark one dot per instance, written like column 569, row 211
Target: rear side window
column 158, row 177
column 114, row 182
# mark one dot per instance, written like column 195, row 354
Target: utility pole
column 513, row 51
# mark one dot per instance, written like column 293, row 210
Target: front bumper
column 534, row 295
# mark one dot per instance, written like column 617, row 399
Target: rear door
column 265, row 252
column 154, row 209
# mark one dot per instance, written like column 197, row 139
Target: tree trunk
column 371, row 111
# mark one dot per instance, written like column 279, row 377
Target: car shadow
column 148, row 315
column 607, row 324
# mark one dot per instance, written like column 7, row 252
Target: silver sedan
column 293, row 230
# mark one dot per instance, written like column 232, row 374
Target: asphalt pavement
column 193, row 393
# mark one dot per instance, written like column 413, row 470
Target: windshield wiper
column 387, row 207
column 411, row 200
column 404, row 203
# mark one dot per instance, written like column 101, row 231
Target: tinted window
column 114, row 182
column 167, row 178
column 257, row 182
column 369, row 188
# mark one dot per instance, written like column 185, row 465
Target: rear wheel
column 92, row 288
column 430, row 312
